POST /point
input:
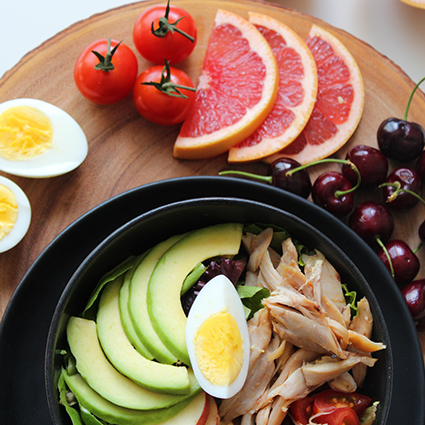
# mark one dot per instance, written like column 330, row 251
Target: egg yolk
column 219, row 349
column 8, row 210
column 25, row 133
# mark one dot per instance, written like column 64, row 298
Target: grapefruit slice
column 415, row 3
column 236, row 91
column 296, row 96
column 339, row 104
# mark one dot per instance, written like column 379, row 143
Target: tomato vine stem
column 105, row 62
column 166, row 86
column 164, row 25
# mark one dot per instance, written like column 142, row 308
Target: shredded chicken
column 260, row 334
column 263, row 414
column 257, row 246
column 251, row 279
column 289, row 268
column 278, row 413
column 304, row 329
column 260, row 369
column 318, row 268
column 344, row 383
column 248, row 419
column 249, row 398
column 268, row 275
column 362, row 324
column 303, row 337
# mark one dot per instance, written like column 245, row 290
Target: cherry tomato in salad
column 302, row 410
column 329, row 400
column 165, row 32
column 163, row 95
column 105, row 71
column 339, row 416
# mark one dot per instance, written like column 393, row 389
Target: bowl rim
column 129, row 225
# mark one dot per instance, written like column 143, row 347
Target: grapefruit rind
column 302, row 112
column 419, row 3
column 345, row 130
column 220, row 141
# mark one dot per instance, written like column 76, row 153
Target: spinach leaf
column 252, row 298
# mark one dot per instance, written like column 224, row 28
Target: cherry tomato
column 329, row 400
column 340, row 416
column 105, row 73
column 301, row 410
column 163, row 95
column 154, row 39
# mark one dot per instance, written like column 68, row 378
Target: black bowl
column 152, row 227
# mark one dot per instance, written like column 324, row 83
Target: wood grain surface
column 126, row 151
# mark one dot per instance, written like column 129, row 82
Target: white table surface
column 390, row 26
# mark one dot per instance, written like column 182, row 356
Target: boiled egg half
column 15, row 214
column 217, row 339
column 39, row 140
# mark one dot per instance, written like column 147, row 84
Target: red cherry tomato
column 110, row 83
column 173, row 46
column 329, row 400
column 157, row 106
column 301, row 410
column 339, row 416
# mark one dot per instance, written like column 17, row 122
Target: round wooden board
column 126, row 151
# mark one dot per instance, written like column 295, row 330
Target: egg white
column 23, row 220
column 218, row 295
column 69, row 146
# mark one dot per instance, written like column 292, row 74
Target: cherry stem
column 338, row 193
column 398, row 189
column 418, row 248
column 410, row 99
column 165, row 25
column 266, row 179
column 166, row 86
column 384, row 248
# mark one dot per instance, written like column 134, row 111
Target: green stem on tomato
column 166, row 86
column 398, row 189
column 338, row 193
column 165, row 25
column 105, row 62
column 410, row 98
column 384, row 248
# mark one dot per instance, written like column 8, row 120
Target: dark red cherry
column 401, row 140
column 405, row 263
column 408, row 180
column 421, row 232
column 371, row 163
column 372, row 220
column 298, row 183
column 414, row 294
column 326, row 193
column 420, row 166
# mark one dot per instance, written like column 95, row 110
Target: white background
column 390, row 26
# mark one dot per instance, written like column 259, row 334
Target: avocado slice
column 111, row 413
column 126, row 320
column 149, row 374
column 138, row 308
column 95, row 368
column 163, row 295
column 72, row 410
